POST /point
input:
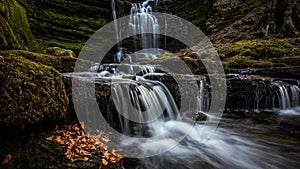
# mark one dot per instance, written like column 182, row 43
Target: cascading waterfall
column 114, row 14
column 152, row 111
column 147, row 100
column 288, row 98
column 204, row 96
column 141, row 21
column 113, row 70
column 261, row 95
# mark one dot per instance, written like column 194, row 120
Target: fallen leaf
column 104, row 162
column 49, row 138
column 7, row 159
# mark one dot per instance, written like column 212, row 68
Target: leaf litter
column 79, row 145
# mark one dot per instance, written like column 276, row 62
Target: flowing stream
column 249, row 139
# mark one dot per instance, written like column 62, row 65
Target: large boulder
column 31, row 93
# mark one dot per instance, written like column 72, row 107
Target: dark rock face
column 249, row 92
column 274, row 72
column 32, row 93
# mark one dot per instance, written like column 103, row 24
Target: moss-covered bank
column 66, row 23
column 260, row 53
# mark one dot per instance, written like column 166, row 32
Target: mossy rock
column 15, row 32
column 32, row 93
column 239, row 62
column 57, row 51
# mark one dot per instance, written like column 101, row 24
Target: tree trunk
column 284, row 22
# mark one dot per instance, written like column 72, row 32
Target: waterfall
column 284, row 98
column 204, row 96
column 141, row 22
column 147, row 100
column 288, row 97
column 114, row 14
column 121, row 69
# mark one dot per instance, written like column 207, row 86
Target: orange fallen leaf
column 7, row 159
column 104, row 162
column 49, row 138
column 59, row 140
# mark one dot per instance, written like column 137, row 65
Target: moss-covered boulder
column 31, row 93
column 15, row 32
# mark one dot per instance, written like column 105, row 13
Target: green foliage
column 32, row 93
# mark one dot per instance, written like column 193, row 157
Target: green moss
column 41, row 154
column 60, row 63
column 7, row 37
column 67, row 24
column 16, row 16
column 56, row 51
column 292, row 61
column 32, row 93
column 263, row 64
column 76, row 46
column 239, row 62
column 166, row 55
column 143, row 59
column 261, row 49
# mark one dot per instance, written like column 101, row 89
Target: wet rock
column 292, row 72
column 248, row 92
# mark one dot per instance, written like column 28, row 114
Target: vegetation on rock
column 67, row 24
column 15, row 32
column 32, row 93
